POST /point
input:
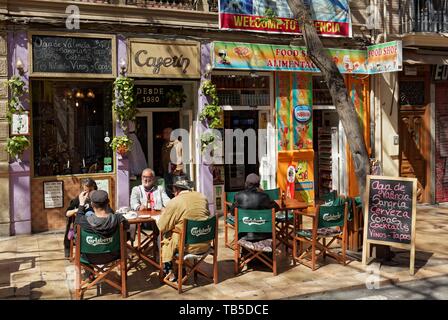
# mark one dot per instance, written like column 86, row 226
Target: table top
column 146, row 215
column 292, row 204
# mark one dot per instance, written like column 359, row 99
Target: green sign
column 107, row 168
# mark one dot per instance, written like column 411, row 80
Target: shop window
column 412, row 93
column 321, row 93
column 71, row 123
column 242, row 90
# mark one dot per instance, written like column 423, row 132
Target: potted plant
column 121, row 144
column 16, row 145
column 212, row 112
column 124, row 103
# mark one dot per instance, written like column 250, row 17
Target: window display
column 72, row 126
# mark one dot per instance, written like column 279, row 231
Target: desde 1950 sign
column 164, row 59
column 56, row 55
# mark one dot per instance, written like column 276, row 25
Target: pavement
column 34, row 267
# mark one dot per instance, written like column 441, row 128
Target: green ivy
column 16, row 145
column 124, row 103
column 207, row 138
column 212, row 112
column 176, row 98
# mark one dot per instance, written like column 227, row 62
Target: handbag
column 71, row 233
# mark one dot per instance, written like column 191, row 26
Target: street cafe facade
column 70, row 119
column 307, row 154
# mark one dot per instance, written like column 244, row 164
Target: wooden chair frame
column 317, row 242
column 192, row 268
column 240, row 262
column 101, row 272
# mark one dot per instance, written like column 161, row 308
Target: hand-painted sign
column 331, row 17
column 302, row 113
column 386, row 57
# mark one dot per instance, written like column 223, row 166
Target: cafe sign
column 164, row 59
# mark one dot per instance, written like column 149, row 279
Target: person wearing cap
column 187, row 204
column 102, row 222
column 253, row 198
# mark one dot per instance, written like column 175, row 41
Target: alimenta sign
column 164, row 59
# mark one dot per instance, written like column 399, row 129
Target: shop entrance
column 149, row 130
column 235, row 174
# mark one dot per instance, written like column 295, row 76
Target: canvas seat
column 255, row 221
column 100, row 256
column 192, row 262
column 329, row 226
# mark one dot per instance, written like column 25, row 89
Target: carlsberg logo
column 197, row 232
column 251, row 221
column 331, row 217
column 93, row 241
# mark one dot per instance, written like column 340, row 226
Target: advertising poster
column 302, row 111
column 283, row 107
column 331, row 17
column 385, row 57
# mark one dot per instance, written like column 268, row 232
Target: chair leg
column 324, row 255
column 313, row 254
column 215, row 269
column 236, row 259
column 294, row 251
column 70, row 256
column 226, row 237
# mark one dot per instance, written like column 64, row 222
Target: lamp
column 208, row 70
column 123, row 67
column 19, row 66
column 79, row 94
column 90, row 94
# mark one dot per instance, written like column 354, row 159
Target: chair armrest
column 175, row 230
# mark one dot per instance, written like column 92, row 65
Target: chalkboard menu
column 390, row 210
column 72, row 55
column 153, row 96
column 390, row 215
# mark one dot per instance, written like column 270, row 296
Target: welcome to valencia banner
column 331, row 17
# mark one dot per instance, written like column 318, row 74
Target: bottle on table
column 283, row 199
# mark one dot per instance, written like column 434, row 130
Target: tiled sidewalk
column 33, row 267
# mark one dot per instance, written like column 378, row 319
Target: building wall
column 5, row 219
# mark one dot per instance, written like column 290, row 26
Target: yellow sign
column 164, row 59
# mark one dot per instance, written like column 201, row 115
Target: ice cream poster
column 283, row 108
column 250, row 56
column 331, row 17
column 302, row 101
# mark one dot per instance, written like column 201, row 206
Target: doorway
column 149, row 131
column 235, row 174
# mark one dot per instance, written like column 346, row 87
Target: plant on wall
column 121, row 144
column 124, row 103
column 176, row 98
column 212, row 113
column 16, row 145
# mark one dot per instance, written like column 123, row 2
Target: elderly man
column 148, row 194
column 187, row 204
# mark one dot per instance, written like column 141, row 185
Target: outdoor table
column 283, row 224
column 145, row 242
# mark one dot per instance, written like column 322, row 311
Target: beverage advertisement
column 331, row 17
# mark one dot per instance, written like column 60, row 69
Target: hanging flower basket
column 121, row 145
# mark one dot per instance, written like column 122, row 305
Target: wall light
column 123, row 67
column 208, row 70
column 19, row 66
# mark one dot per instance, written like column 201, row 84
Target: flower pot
column 122, row 150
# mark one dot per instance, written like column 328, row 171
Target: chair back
column 199, row 231
column 333, row 215
column 330, row 196
column 230, row 196
column 92, row 243
column 255, row 221
column 274, row 194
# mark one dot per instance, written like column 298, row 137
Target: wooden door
column 413, row 148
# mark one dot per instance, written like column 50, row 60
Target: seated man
column 253, row 198
column 102, row 222
column 148, row 193
column 186, row 204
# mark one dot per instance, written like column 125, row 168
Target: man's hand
column 82, row 198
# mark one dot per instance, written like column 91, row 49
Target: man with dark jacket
column 102, row 222
column 253, row 198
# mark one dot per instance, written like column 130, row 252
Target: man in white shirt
column 148, row 194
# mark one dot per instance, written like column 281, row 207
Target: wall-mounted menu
column 391, row 207
column 74, row 55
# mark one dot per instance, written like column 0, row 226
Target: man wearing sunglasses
column 148, row 195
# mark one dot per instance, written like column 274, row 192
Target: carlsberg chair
column 194, row 232
column 100, row 256
column 255, row 221
column 329, row 225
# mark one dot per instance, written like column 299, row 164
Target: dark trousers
column 70, row 220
